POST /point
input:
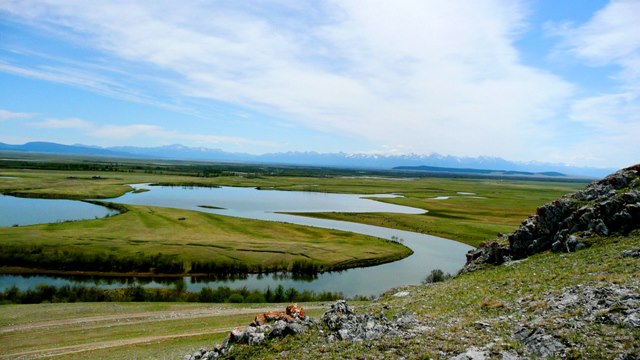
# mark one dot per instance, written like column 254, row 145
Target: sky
column 551, row 80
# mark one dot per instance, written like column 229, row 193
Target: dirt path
column 72, row 349
column 127, row 318
column 111, row 320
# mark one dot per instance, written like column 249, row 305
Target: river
column 430, row 252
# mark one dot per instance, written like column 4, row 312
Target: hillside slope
column 584, row 303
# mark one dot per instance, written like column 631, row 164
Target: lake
column 26, row 211
column 430, row 252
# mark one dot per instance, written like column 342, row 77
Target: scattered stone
column 578, row 307
column 472, row 353
column 349, row 326
column 292, row 321
column 539, row 343
column 631, row 253
column 400, row 294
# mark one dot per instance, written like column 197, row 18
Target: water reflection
column 430, row 252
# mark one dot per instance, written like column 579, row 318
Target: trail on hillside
column 72, row 349
column 105, row 321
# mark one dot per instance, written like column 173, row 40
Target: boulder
column 292, row 321
column 540, row 343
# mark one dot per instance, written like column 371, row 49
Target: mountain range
column 363, row 161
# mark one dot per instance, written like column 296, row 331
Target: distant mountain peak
column 377, row 161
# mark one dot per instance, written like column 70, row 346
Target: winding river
column 430, row 252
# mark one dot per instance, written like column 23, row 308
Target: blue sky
column 553, row 81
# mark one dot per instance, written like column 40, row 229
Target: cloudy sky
column 548, row 80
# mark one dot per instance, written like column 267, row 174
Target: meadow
column 147, row 240
column 497, row 204
column 500, row 301
column 122, row 330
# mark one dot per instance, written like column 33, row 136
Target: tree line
column 79, row 293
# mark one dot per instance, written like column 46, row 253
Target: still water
column 430, row 252
column 22, row 211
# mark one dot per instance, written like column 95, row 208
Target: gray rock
column 571, row 243
column 296, row 328
column 631, row 253
column 632, row 319
column 256, row 338
column 539, row 343
column 609, row 210
column 279, row 329
column 472, row 353
column 598, row 226
column 364, row 327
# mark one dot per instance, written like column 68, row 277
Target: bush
column 435, row 276
column 236, row 298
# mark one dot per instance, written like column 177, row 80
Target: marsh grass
column 151, row 240
column 504, row 202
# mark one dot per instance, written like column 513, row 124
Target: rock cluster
column 267, row 325
column 346, row 325
column 611, row 205
column 558, row 323
column 610, row 304
column 578, row 307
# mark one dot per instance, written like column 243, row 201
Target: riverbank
column 582, row 305
column 154, row 240
column 468, row 219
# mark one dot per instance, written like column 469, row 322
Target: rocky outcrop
column 578, row 307
column 556, row 323
column 608, row 206
column 344, row 324
column 267, row 325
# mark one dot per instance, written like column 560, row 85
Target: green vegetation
column 496, row 206
column 121, row 330
column 169, row 241
column 223, row 294
column 436, row 275
column 501, row 205
column 488, row 306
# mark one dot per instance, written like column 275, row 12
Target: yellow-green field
column 121, row 330
column 498, row 205
column 189, row 237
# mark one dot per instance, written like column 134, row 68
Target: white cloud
column 608, row 123
column 423, row 75
column 122, row 133
column 438, row 76
column 611, row 37
column 6, row 115
column 71, row 123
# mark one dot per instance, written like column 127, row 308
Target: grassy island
column 152, row 240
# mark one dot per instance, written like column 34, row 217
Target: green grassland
column 127, row 242
column 488, row 306
column 121, row 330
column 473, row 309
column 502, row 206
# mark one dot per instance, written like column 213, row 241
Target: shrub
column 435, row 276
column 236, row 298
